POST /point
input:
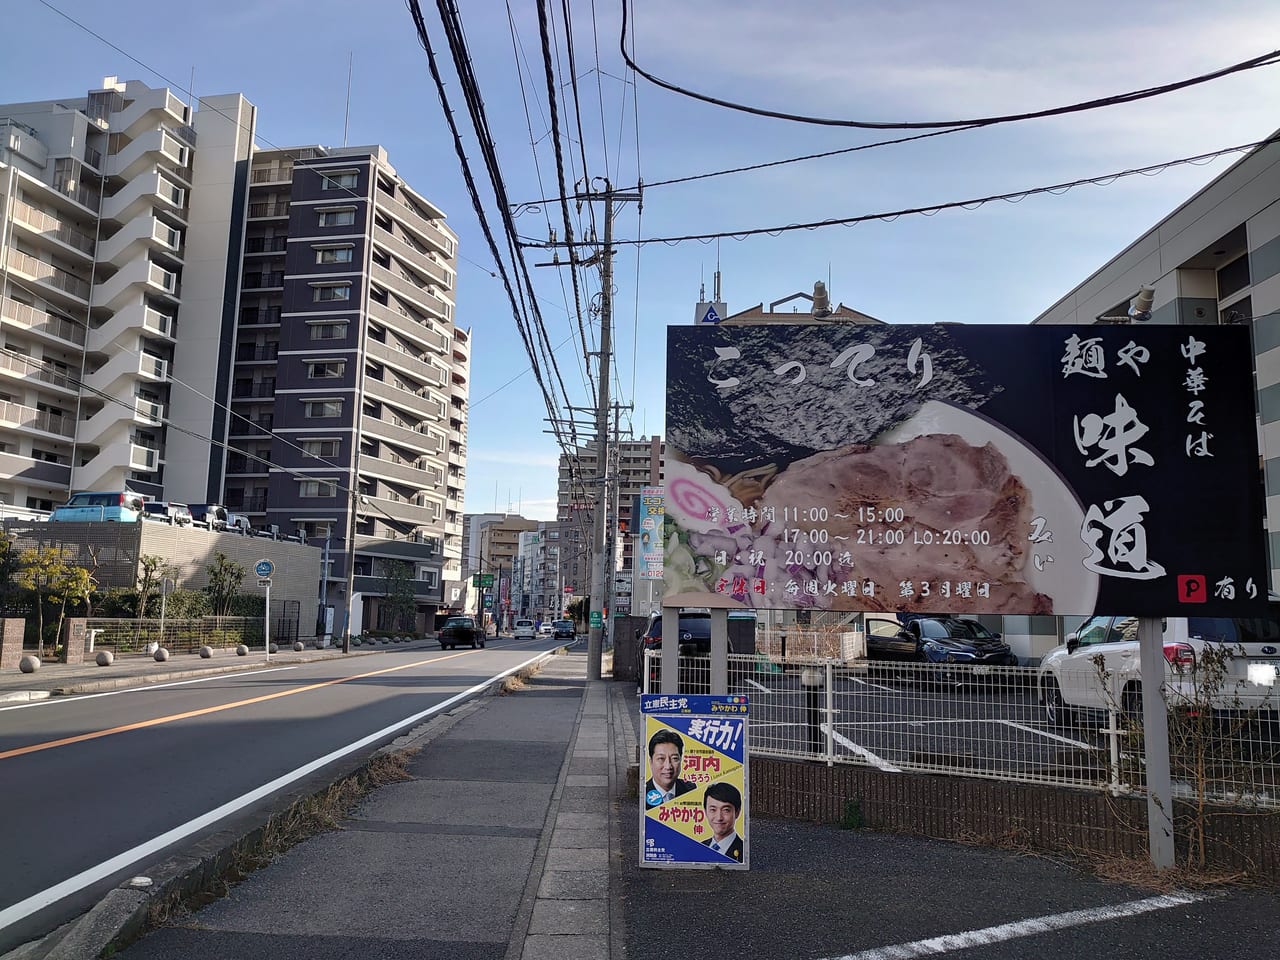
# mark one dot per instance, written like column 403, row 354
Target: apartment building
column 635, row 464
column 270, row 329
column 107, row 259
column 497, row 548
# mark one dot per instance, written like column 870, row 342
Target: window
column 317, row 488
column 329, row 331
column 316, row 409
column 321, row 448
column 326, row 369
column 315, row 528
column 343, row 217
column 344, row 180
column 333, row 254
column 332, row 291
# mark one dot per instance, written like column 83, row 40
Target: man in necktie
column 666, row 756
column 722, row 804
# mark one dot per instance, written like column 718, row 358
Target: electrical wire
column 1263, row 60
column 971, row 204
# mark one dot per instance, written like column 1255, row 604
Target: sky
column 928, row 60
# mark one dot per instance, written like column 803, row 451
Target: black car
column 563, row 629
column 694, row 636
column 937, row 640
column 460, row 631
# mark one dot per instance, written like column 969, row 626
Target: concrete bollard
column 275, row 648
column 206, row 652
column 29, row 664
column 298, row 646
column 105, row 658
column 242, row 651
column 161, row 654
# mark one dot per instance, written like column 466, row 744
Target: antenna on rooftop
column 346, row 122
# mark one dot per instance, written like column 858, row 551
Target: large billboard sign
column 648, row 510
column 965, row 469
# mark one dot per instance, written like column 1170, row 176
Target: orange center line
column 203, row 711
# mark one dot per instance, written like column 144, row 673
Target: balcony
column 260, row 316
column 49, row 275
column 254, row 504
column 35, row 370
column 261, row 389
column 416, row 293
column 151, row 147
column 399, row 470
column 132, row 116
column 397, row 431
column 240, row 464
column 279, row 174
column 421, row 259
column 266, row 245
column 141, row 194
column 29, row 418
column 410, row 327
column 41, row 322
column 144, row 274
column 261, row 211
column 44, row 226
column 146, row 459
column 263, row 281
column 148, row 411
column 249, row 352
column 412, row 364
column 251, row 426
column 145, row 230
column 377, row 586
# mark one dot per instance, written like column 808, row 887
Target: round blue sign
column 264, row 568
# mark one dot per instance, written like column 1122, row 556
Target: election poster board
column 649, row 509
column 1043, row 470
column 695, row 795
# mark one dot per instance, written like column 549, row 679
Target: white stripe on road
column 862, row 752
column 1046, row 733
column 51, row 895
column 77, row 698
column 759, row 686
column 1025, row 928
column 868, row 683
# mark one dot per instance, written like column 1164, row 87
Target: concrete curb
column 21, row 696
column 125, row 913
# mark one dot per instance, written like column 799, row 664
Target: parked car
column 563, row 629
column 168, row 511
column 1073, row 686
column 694, row 636
column 122, row 506
column 940, row 640
column 211, row 515
column 239, row 523
column 460, row 631
column 524, row 630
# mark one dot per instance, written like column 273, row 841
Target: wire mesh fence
column 982, row 721
column 177, row 635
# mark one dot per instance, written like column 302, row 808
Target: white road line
column 1025, row 928
column 759, row 686
column 51, row 895
column 868, row 683
column 863, row 752
column 145, row 686
column 1046, row 733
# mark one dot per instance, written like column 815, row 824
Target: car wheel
column 444, row 646
column 1056, row 710
column 473, row 644
column 481, row 644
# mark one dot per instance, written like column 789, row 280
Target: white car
column 545, row 630
column 524, row 630
column 1072, row 684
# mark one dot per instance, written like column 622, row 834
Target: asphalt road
column 96, row 787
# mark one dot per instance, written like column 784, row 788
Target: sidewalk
column 135, row 669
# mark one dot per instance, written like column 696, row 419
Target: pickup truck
column 457, row 631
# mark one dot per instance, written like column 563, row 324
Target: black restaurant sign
column 965, row 469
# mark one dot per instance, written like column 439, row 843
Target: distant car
column 460, row 631
column 544, row 630
column 120, row 506
column 1073, row 687
column 211, row 515
column 563, row 629
column 169, row 511
column 239, row 523
column 524, row 630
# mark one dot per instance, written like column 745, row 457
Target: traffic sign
column 596, row 619
column 264, row 568
column 264, row 581
column 482, row 579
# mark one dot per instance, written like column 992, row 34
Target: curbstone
column 105, row 658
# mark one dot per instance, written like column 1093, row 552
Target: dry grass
column 1142, row 873
column 304, row 818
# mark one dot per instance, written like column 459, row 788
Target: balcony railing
column 31, row 369
column 266, row 244
column 271, row 175
column 52, row 226
column 269, row 209
column 258, row 280
column 23, row 416
column 242, row 464
column 261, row 389
column 251, row 426
column 253, row 351
column 42, row 322
column 48, row 273
column 254, row 317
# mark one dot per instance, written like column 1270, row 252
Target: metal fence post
column 831, row 715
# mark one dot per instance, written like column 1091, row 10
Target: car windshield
column 562, row 624
column 458, row 622
column 957, row 629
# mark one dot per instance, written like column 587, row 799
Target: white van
column 524, row 630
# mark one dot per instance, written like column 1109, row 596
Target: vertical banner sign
column 650, row 514
column 693, row 804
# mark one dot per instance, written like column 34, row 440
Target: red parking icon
column 1192, row 588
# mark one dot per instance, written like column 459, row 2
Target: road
column 98, row 786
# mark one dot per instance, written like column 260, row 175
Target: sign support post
column 1155, row 726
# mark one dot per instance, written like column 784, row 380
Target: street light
column 1139, row 308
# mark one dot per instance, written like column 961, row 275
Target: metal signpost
column 1031, row 470
column 264, row 569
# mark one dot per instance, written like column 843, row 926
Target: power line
column 971, row 204
column 1263, row 60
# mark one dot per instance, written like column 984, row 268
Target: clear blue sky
column 928, row 60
